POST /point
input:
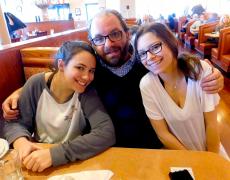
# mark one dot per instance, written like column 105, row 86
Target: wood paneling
column 11, row 73
column 57, row 26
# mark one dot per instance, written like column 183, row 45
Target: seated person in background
column 183, row 116
column 189, row 19
column 171, row 21
column 198, row 9
column 13, row 24
column 161, row 19
column 213, row 17
column 147, row 19
column 61, row 108
column 133, row 30
column 223, row 23
column 194, row 28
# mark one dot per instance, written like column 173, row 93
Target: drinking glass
column 10, row 166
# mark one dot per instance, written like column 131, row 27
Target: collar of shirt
column 125, row 68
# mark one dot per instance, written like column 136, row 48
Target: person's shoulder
column 204, row 64
column 206, row 68
column 147, row 80
column 36, row 77
column 36, row 81
column 89, row 92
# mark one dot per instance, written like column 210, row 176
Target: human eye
column 115, row 35
column 142, row 54
column 92, row 71
column 155, row 48
column 98, row 39
column 81, row 68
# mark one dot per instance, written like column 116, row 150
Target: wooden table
column 212, row 35
column 144, row 164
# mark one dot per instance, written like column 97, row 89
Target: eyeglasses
column 153, row 49
column 100, row 40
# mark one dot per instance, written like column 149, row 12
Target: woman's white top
column 186, row 123
column 59, row 123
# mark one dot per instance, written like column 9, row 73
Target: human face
column 79, row 72
column 158, row 62
column 113, row 53
column 226, row 19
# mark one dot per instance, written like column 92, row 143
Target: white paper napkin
column 85, row 175
column 4, row 147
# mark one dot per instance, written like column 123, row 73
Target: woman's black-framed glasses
column 100, row 40
column 153, row 49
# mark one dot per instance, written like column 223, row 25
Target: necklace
column 163, row 84
column 175, row 85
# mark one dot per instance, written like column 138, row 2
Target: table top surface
column 132, row 163
column 212, row 35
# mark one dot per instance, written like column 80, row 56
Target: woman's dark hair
column 133, row 30
column 187, row 63
column 70, row 49
column 108, row 12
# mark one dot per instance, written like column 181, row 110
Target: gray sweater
column 100, row 137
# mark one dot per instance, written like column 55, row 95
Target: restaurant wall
column 128, row 8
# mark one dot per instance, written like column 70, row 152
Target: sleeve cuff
column 58, row 156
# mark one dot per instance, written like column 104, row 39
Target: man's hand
column 38, row 160
column 214, row 82
column 25, row 147
column 9, row 106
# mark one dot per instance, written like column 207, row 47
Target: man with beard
column 117, row 78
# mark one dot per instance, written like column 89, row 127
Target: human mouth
column 155, row 63
column 113, row 52
column 82, row 83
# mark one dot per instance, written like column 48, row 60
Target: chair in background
column 221, row 56
column 131, row 21
column 181, row 23
column 189, row 37
column 38, row 59
column 201, row 44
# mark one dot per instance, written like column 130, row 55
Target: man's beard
column 117, row 62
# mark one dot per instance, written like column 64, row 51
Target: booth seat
column 131, row 21
column 189, row 37
column 201, row 44
column 38, row 59
column 220, row 56
column 181, row 22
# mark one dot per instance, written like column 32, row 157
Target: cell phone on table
column 180, row 175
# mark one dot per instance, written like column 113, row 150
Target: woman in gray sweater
column 61, row 108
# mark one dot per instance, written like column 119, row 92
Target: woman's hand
column 24, row 147
column 38, row 160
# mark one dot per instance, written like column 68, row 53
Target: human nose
column 108, row 41
column 87, row 76
column 150, row 55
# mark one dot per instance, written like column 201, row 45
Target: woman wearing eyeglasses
column 183, row 116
